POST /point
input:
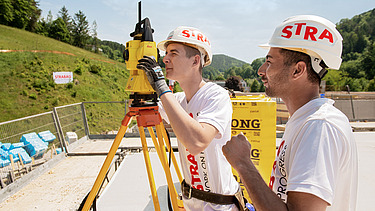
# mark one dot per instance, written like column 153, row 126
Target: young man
column 200, row 117
column 316, row 166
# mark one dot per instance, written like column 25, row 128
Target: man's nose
column 165, row 59
column 262, row 69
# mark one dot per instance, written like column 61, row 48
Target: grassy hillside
column 223, row 62
column 220, row 64
column 27, row 86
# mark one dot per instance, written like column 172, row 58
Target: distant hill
column 358, row 67
column 220, row 64
column 223, row 62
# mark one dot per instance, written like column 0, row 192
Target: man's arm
column 193, row 135
column 237, row 152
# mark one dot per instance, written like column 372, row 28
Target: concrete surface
column 129, row 188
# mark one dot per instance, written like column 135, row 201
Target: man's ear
column 299, row 70
column 196, row 60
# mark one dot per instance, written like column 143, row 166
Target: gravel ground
column 64, row 186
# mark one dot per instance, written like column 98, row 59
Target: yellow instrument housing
column 137, row 81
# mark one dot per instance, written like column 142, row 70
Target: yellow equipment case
column 255, row 117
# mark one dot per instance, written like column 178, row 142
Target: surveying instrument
column 144, row 107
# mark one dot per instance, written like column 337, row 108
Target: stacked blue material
column 29, row 136
column 33, row 144
column 16, row 145
column 25, row 157
column 4, row 162
column 4, row 155
column 58, row 150
column 6, row 146
column 47, row 136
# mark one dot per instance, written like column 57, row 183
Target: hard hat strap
column 319, row 66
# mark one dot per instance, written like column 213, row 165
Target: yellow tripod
column 147, row 116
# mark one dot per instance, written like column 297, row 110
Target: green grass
column 27, row 87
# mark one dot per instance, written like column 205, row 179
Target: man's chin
column 269, row 92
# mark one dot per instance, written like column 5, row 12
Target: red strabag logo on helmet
column 307, row 32
column 195, row 35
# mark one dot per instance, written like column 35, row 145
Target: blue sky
column 234, row 27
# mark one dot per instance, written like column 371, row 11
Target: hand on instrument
column 237, row 151
column 154, row 74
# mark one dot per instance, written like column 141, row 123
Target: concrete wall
column 363, row 109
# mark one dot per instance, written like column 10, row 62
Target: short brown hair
column 293, row 57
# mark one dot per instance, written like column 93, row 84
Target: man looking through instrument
column 200, row 117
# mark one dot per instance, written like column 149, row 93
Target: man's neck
column 297, row 99
column 191, row 87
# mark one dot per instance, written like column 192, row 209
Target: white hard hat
column 192, row 37
column 310, row 34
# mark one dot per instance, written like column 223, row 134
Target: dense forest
column 357, row 69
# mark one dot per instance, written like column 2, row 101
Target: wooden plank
column 280, row 127
column 282, row 114
column 281, row 106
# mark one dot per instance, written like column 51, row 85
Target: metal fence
column 12, row 131
column 104, row 118
column 67, row 123
column 71, row 123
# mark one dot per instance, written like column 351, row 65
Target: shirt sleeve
column 314, row 161
column 179, row 97
column 217, row 112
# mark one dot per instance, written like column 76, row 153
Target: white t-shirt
column 318, row 155
column 209, row 170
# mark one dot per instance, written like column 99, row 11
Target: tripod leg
column 107, row 162
column 165, row 165
column 149, row 169
column 153, row 137
column 163, row 160
column 169, row 147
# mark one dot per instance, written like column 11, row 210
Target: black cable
column 170, row 155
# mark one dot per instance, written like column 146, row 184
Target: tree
column 234, row 83
column 24, row 11
column 34, row 16
column 368, row 61
column 230, row 72
column 262, row 88
column 220, row 78
column 352, row 67
column 107, row 51
column 59, row 31
column 95, row 37
column 80, row 30
column 371, row 85
column 254, row 86
column 257, row 63
column 6, row 15
column 64, row 15
column 248, row 71
column 42, row 27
